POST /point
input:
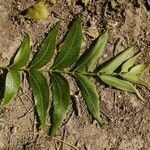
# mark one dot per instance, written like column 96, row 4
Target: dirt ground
column 126, row 119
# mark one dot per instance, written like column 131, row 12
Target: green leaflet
column 41, row 94
column 46, row 51
column 13, row 80
column 118, row 60
column 134, row 75
column 120, row 84
column 135, row 79
column 70, row 49
column 23, row 54
column 88, row 60
column 61, row 99
column 12, row 85
column 129, row 63
column 90, row 95
column 137, row 70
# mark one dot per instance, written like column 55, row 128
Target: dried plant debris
column 37, row 11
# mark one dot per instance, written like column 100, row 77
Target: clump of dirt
column 126, row 119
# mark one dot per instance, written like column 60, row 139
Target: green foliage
column 13, row 79
column 23, row 54
column 70, row 49
column 119, row 84
column 41, row 94
column 90, row 95
column 12, row 85
column 129, row 63
column 118, row 60
column 134, row 75
column 46, row 51
column 61, row 99
column 87, row 61
column 81, row 71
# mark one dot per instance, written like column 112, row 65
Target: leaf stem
column 23, row 69
column 45, row 69
column 91, row 74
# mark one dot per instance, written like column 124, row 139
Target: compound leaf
column 23, row 54
column 90, row 95
column 71, row 47
column 46, row 51
column 87, row 61
column 61, row 99
column 129, row 63
column 12, row 85
column 120, row 84
column 118, row 60
column 41, row 94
